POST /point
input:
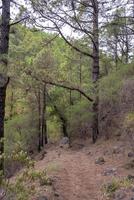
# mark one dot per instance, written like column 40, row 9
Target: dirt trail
column 75, row 174
column 77, row 180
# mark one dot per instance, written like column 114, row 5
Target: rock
column 64, row 142
column 109, row 171
column 56, row 194
column 129, row 165
column 130, row 177
column 89, row 153
column 132, row 189
column 132, row 198
column 116, row 150
column 119, row 195
column 130, row 154
column 2, row 193
column 100, row 161
column 42, row 198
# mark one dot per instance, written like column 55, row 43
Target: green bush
column 110, row 85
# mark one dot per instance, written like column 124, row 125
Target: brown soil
column 74, row 172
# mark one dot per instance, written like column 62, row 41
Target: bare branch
column 17, row 22
column 74, row 47
column 68, row 87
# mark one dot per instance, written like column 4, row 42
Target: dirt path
column 77, row 179
column 75, row 174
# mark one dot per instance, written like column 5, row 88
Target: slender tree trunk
column 95, row 73
column 70, row 92
column 64, row 125
column 44, row 137
column 80, row 73
column 2, row 115
column 70, row 98
column 11, row 105
column 126, row 40
column 4, row 46
column 116, row 51
column 39, row 120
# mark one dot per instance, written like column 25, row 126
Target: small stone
column 64, row 142
column 2, row 193
column 56, row 195
column 109, row 171
column 100, row 161
column 130, row 154
column 89, row 153
column 119, row 195
column 116, row 150
column 132, row 189
column 130, row 177
column 129, row 165
column 132, row 198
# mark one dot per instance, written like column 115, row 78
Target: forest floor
column 76, row 175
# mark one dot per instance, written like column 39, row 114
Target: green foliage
column 20, row 128
column 23, row 185
column 111, row 85
column 110, row 188
column 53, row 128
column 79, row 116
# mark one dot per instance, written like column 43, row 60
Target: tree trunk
column 64, row 125
column 63, row 121
column 80, row 74
column 39, row 121
column 43, row 119
column 95, row 73
column 11, row 104
column 2, row 115
column 116, row 51
column 4, row 46
column 126, row 40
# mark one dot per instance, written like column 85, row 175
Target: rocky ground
column 89, row 172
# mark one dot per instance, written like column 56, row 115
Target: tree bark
column 2, row 116
column 116, row 51
column 127, row 40
column 80, row 74
column 11, row 104
column 95, row 73
column 44, row 138
column 4, row 46
column 39, row 120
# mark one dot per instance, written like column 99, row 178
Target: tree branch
column 49, row 82
column 74, row 47
column 69, row 88
column 17, row 22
